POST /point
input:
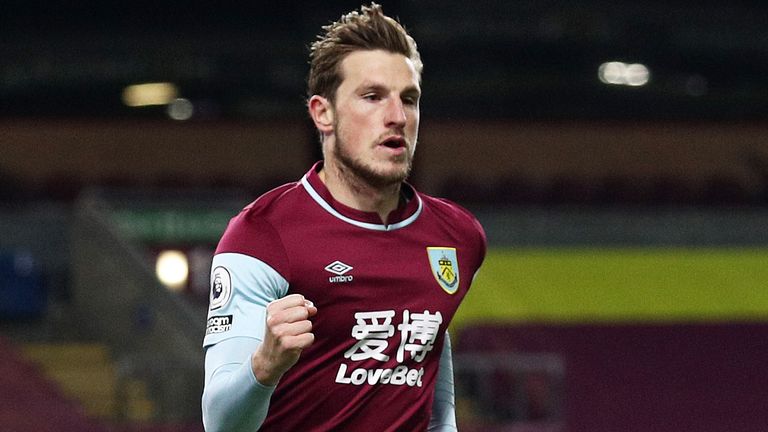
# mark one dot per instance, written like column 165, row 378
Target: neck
column 355, row 192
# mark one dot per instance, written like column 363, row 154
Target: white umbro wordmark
column 339, row 269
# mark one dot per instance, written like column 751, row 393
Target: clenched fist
column 288, row 332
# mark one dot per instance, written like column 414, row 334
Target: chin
column 376, row 172
column 385, row 177
column 394, row 176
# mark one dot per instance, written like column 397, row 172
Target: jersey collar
column 402, row 216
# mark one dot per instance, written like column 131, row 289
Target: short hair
column 368, row 29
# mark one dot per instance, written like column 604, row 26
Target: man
column 331, row 296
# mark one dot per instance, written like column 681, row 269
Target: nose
column 395, row 114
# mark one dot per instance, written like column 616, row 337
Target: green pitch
column 619, row 285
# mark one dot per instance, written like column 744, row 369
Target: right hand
column 288, row 332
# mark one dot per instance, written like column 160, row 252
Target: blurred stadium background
column 615, row 151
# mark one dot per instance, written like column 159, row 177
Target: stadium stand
column 630, row 377
column 31, row 403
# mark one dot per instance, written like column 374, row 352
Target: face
column 376, row 117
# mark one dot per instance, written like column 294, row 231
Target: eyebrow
column 410, row 90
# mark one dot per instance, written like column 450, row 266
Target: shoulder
column 255, row 231
column 281, row 198
column 458, row 218
column 451, row 212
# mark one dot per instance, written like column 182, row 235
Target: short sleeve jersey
column 385, row 295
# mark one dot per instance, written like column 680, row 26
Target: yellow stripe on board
column 619, row 285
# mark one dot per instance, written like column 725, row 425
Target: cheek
column 413, row 116
column 414, row 124
column 362, row 117
column 358, row 127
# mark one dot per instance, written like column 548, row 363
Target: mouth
column 394, row 142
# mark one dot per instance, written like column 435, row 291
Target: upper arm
column 241, row 288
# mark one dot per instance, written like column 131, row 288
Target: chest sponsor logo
column 373, row 331
column 218, row 324
column 445, row 267
column 221, row 287
column 340, row 270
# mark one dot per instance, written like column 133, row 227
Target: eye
column 372, row 97
column 411, row 100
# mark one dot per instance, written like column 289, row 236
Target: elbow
column 213, row 417
column 226, row 410
column 207, row 403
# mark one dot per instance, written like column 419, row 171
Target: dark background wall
column 472, row 161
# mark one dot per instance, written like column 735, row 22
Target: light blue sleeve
column 443, row 418
column 241, row 289
column 233, row 400
column 242, row 286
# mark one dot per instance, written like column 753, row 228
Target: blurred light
column 611, row 72
column 149, row 94
column 180, row 109
column 619, row 73
column 172, row 269
column 637, row 75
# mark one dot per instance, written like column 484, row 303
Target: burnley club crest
column 445, row 267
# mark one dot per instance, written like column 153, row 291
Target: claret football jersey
column 385, row 295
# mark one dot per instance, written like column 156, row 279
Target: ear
column 321, row 111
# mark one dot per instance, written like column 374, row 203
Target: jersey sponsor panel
column 373, row 332
column 399, row 375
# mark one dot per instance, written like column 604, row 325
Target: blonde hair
column 368, row 29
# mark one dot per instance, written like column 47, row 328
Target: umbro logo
column 340, row 270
